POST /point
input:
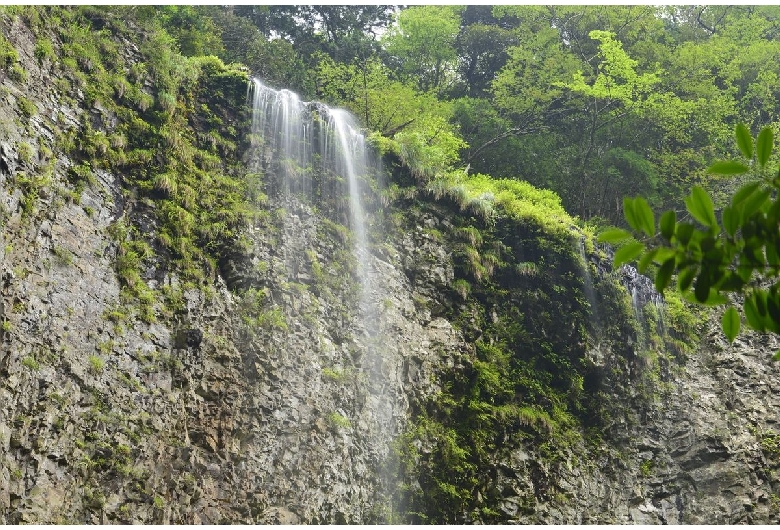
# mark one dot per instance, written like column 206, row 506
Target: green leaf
column 702, row 288
column 630, row 214
column 664, row 254
column 744, row 140
column 683, row 232
column 727, row 167
column 776, row 356
column 701, row 207
column 664, row 274
column 685, row 279
column 627, row 253
column 644, row 262
column 714, row 298
column 730, row 221
column 773, row 306
column 771, row 254
column 764, row 145
column 666, row 224
column 753, row 203
column 613, row 235
column 744, row 192
column 761, row 305
column 730, row 323
column 644, row 216
column 731, row 282
column 752, row 315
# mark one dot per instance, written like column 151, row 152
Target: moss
column 646, row 468
column 528, row 382
column 31, row 363
column 338, row 421
column 96, row 364
column 44, row 49
column 26, row 107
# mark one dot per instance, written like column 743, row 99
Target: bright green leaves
column 701, row 207
column 762, row 309
column 613, row 235
column 639, row 215
column 730, row 221
column 628, row 253
column 667, row 224
column 616, row 77
column 744, row 141
column 730, row 323
column 763, row 150
column 764, row 145
column 710, row 262
column 727, row 167
column 664, row 275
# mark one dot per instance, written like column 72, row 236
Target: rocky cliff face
column 152, row 374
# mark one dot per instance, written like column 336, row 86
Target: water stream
column 315, row 159
column 642, row 293
column 590, row 293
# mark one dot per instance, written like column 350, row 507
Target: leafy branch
column 738, row 254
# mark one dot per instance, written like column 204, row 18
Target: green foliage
column 617, row 78
column 462, row 287
column 423, row 44
column 96, row 364
column 26, row 107
column 518, row 200
column 44, row 49
column 339, row 421
column 337, row 376
column 255, row 317
column 720, row 257
column 8, row 54
column 64, row 257
column 770, row 444
column 194, row 29
column 31, row 363
column 26, row 152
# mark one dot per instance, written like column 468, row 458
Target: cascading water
column 642, row 293
column 590, row 293
column 313, row 157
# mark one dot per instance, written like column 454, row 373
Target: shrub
column 96, row 364
column 44, row 49
column 26, row 107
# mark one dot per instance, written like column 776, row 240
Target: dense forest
column 594, row 102
column 208, row 315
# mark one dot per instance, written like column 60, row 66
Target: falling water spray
column 290, row 138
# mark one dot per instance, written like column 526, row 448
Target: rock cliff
column 163, row 361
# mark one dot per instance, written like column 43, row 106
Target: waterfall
column 590, row 293
column 298, row 139
column 642, row 293
column 349, row 153
column 315, row 159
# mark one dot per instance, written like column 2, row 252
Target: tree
column 482, row 46
column 343, row 32
column 193, row 28
column 738, row 254
column 422, row 45
column 274, row 60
